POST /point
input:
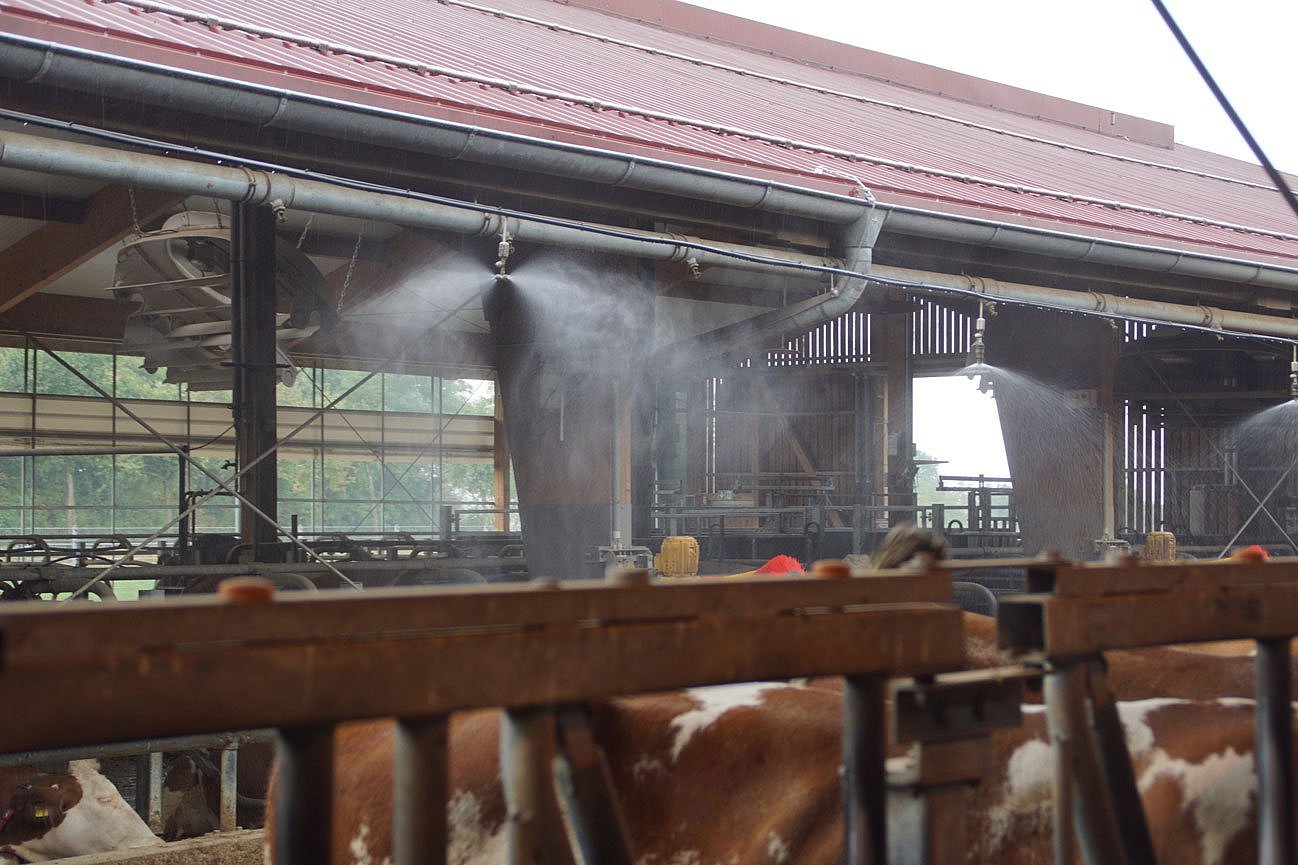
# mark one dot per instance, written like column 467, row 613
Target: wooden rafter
column 56, row 249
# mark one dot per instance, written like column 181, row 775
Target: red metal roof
column 587, row 75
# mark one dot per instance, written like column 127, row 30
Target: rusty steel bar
column 304, row 808
column 1096, row 825
column 419, row 826
column 1273, row 754
column 1115, row 767
column 865, row 830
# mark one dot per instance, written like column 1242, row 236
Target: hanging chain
column 351, row 267
column 135, row 214
column 305, row 229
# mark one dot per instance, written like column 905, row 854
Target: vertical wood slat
column 419, row 792
column 304, row 804
column 865, row 838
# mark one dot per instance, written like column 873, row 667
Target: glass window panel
column 146, row 492
column 467, row 482
column 368, row 396
column 72, row 495
column 12, row 471
column 407, row 518
column 408, row 480
column 409, row 393
column 352, row 491
column 53, row 377
column 13, row 370
column 468, row 396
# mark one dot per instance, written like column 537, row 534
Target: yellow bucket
column 679, row 557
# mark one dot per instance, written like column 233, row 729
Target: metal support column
column 229, row 817
column 305, row 782
column 527, row 744
column 1076, row 759
column 865, row 794
column 252, row 350
column 1274, row 753
column 419, row 814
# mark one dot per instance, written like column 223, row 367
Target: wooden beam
column 51, row 252
column 45, row 208
column 288, row 663
column 72, row 317
column 500, row 486
column 368, row 279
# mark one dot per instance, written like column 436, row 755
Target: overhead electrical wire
column 1276, row 177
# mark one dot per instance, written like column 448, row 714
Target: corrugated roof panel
column 905, row 144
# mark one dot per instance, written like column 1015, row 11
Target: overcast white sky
column 1115, row 54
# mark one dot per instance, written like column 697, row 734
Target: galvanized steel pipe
column 269, row 188
column 1096, row 303
column 33, row 153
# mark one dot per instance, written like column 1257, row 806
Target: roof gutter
column 47, row 63
column 34, row 61
column 1076, row 247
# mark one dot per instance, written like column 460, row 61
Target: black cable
column 1276, row 177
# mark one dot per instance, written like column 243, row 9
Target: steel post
column 1274, row 753
column 1076, row 759
column 229, row 818
column 253, row 303
column 865, row 836
column 419, row 797
column 526, row 745
column 304, row 807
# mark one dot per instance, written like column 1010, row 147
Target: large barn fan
column 180, row 276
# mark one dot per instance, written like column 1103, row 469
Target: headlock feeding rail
column 304, row 665
column 1077, row 612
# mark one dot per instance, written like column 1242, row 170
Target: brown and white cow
column 53, row 815
column 749, row 775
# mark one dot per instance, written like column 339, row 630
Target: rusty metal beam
column 55, row 250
